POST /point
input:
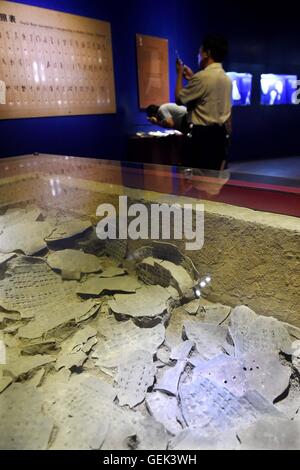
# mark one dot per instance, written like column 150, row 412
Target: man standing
column 208, row 99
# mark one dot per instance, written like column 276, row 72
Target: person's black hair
column 217, row 45
column 152, row 110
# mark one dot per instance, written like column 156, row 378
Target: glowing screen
column 277, row 89
column 241, row 88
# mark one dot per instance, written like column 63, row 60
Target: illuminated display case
column 134, row 343
column 241, row 88
column 278, row 89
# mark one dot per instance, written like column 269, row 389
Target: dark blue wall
column 263, row 39
column 106, row 136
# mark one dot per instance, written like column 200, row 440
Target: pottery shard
column 259, row 372
column 182, row 352
column 265, row 335
column 241, row 319
column 74, row 262
column 124, row 339
column 5, row 258
column 164, row 273
column 81, row 413
column 98, row 285
column 193, row 439
column 23, row 424
column 210, row 339
column 17, row 216
column 165, row 410
column 30, row 285
column 214, row 408
column 24, row 364
column 68, row 229
column 26, row 237
column 74, row 350
column 170, row 380
column 61, row 315
column 135, row 376
column 149, row 301
column 271, row 434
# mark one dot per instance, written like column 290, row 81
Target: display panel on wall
column 278, row 89
column 153, row 70
column 241, row 88
column 54, row 64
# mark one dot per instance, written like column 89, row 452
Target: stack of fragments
column 105, row 349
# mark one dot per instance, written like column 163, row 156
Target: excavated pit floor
column 105, row 349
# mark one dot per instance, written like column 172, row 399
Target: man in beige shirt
column 208, row 97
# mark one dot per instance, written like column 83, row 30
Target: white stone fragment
column 124, row 339
column 24, row 364
column 150, row 301
column 30, row 285
column 271, row 434
column 163, row 355
column 26, row 237
column 96, row 285
column 265, row 374
column 73, row 263
column 68, row 229
column 210, row 339
column 150, row 434
column 81, row 413
column 17, row 216
column 241, row 319
column 169, row 381
column 78, row 340
column 121, row 430
column 207, row 405
column 224, row 371
column 112, row 272
column 23, row 425
column 135, row 376
column 265, row 335
column 165, row 410
column 216, row 313
column 5, row 258
column 69, row 361
column 63, row 314
column 193, row 307
column 182, row 352
column 174, row 331
column 95, row 385
column 193, row 439
column 261, row 373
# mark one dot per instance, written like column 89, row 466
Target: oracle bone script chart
column 54, row 64
column 153, row 70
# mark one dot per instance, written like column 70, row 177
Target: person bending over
column 169, row 116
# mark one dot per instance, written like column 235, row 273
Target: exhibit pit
column 124, row 344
